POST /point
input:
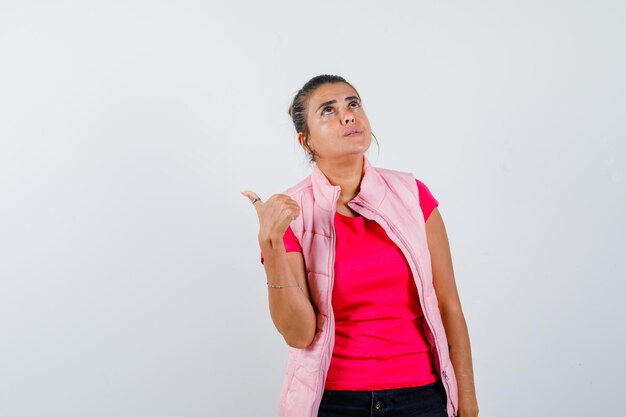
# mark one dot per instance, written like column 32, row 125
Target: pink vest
column 391, row 199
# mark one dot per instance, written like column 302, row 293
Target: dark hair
column 298, row 107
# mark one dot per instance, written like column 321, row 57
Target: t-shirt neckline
column 343, row 216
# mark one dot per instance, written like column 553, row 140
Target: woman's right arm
column 290, row 307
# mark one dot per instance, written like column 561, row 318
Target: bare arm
column 291, row 308
column 451, row 313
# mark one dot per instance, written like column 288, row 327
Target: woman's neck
column 346, row 173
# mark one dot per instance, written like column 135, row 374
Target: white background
column 130, row 281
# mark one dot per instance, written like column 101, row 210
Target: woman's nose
column 347, row 118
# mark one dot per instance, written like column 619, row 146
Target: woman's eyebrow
column 334, row 101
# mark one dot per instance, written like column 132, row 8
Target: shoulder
column 412, row 188
column 423, row 190
column 401, row 181
column 421, row 186
column 393, row 173
column 428, row 202
column 301, row 188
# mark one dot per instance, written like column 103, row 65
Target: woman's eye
column 351, row 103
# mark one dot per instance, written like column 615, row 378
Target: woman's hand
column 275, row 214
column 468, row 407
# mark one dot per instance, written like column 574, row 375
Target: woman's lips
column 353, row 133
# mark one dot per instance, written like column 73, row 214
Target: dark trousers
column 423, row 401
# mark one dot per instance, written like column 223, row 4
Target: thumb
column 252, row 196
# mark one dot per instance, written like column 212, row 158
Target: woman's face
column 334, row 111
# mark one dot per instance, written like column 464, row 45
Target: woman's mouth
column 352, row 132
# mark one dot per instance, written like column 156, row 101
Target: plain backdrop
column 130, row 277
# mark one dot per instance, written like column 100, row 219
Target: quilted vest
column 391, row 199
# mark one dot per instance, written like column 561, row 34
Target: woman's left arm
column 451, row 313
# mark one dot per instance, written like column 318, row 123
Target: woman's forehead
column 334, row 91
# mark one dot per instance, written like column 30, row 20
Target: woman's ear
column 304, row 142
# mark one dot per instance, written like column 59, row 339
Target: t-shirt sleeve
column 291, row 242
column 427, row 200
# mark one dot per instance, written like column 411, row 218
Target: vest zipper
column 331, row 283
column 417, row 265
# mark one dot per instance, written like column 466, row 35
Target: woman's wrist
column 269, row 240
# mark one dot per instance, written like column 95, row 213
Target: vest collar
column 372, row 190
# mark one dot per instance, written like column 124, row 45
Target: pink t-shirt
column 379, row 340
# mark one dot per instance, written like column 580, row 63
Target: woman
column 360, row 277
